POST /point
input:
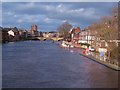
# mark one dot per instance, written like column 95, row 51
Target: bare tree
column 64, row 29
column 107, row 29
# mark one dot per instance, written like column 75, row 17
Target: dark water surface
column 43, row 64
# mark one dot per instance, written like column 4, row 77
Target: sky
column 60, row 0
column 49, row 15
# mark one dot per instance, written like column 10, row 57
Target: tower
column 34, row 27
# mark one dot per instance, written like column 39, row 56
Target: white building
column 86, row 37
column 11, row 32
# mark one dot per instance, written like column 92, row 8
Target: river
column 44, row 64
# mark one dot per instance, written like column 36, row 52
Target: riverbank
column 112, row 66
column 93, row 57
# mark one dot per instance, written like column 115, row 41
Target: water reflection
column 44, row 64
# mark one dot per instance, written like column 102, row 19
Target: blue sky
column 49, row 15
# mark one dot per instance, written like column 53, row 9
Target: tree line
column 105, row 29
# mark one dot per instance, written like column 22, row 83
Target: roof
column 14, row 29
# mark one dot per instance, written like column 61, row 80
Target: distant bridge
column 44, row 38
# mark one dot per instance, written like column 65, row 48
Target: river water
column 43, row 64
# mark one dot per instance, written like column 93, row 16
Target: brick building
column 74, row 32
column 34, row 31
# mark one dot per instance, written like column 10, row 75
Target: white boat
column 71, row 46
column 64, row 45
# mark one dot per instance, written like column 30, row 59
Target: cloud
column 51, row 21
column 31, row 18
column 19, row 20
column 64, row 21
column 60, row 0
column 47, row 20
column 50, row 15
column 60, row 9
column 0, row 14
column 9, row 13
column 82, row 12
column 60, row 5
